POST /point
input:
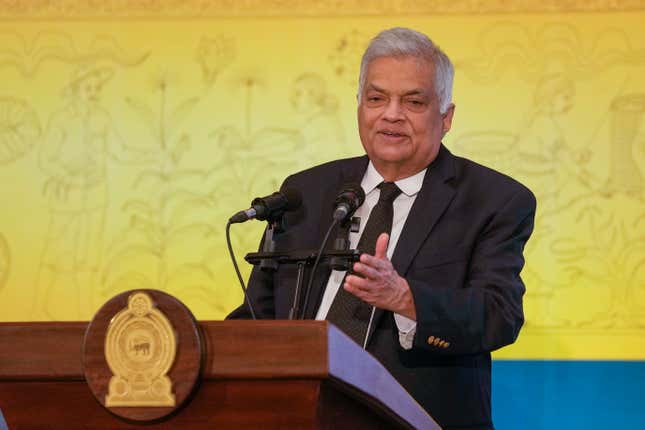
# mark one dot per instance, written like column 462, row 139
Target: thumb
column 381, row 245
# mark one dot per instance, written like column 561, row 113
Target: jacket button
column 446, row 345
column 430, row 340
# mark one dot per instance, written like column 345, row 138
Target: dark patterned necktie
column 348, row 312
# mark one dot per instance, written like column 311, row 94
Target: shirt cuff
column 407, row 330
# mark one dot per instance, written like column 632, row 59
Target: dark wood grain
column 255, row 374
column 35, row 350
column 233, row 349
column 265, row 349
column 262, row 404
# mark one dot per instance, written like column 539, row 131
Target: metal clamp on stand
column 268, row 245
column 301, row 258
column 342, row 243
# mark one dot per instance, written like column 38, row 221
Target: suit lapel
column 433, row 199
column 436, row 194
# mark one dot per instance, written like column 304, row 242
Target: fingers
column 381, row 245
column 370, row 265
column 355, row 284
column 367, row 271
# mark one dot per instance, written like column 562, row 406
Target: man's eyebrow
column 371, row 86
column 417, row 91
column 412, row 92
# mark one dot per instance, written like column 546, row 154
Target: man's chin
column 391, row 153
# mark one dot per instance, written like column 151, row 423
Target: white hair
column 404, row 42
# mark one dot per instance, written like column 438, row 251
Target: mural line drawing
column 343, row 58
column 20, row 129
column 554, row 47
column 170, row 232
column 29, row 56
column 79, row 142
column 601, row 253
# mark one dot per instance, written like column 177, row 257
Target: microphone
column 349, row 199
column 269, row 207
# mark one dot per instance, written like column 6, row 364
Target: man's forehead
column 411, row 75
column 421, row 62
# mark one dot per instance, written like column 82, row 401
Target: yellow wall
column 130, row 133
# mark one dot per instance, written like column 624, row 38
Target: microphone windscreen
column 357, row 191
column 293, row 197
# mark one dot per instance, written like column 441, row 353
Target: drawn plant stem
column 157, row 229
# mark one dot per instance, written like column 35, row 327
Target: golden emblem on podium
column 140, row 348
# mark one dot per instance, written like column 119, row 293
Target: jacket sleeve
column 260, row 287
column 486, row 312
column 260, row 293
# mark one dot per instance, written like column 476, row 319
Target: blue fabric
column 536, row 395
column 3, row 423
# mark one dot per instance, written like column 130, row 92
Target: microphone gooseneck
column 237, row 270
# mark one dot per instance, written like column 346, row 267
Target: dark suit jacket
column 461, row 253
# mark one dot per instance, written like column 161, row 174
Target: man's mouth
column 391, row 133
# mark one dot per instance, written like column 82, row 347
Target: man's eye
column 416, row 105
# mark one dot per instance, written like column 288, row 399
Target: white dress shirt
column 410, row 187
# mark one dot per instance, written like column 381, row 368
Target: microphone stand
column 268, row 245
column 302, row 259
column 342, row 243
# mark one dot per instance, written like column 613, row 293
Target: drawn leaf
column 155, row 176
column 128, row 254
column 191, row 272
column 189, row 207
column 202, row 230
column 148, row 116
column 179, row 114
column 128, row 281
column 182, row 174
column 140, row 207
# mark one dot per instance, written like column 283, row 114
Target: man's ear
column 447, row 118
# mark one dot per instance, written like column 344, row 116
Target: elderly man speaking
column 438, row 286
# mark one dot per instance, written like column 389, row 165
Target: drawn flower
column 19, row 129
column 214, row 54
column 343, row 58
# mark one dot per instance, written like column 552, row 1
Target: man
column 445, row 281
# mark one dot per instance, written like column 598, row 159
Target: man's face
column 399, row 121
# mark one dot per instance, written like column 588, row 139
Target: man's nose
column 393, row 111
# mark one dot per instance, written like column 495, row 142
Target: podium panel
column 254, row 375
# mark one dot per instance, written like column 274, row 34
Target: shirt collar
column 409, row 186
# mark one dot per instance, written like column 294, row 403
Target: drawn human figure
column 79, row 140
column 544, row 150
column 616, row 245
column 626, row 128
column 539, row 153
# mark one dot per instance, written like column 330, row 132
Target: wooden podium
column 254, row 375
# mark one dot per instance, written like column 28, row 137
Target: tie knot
column 389, row 191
